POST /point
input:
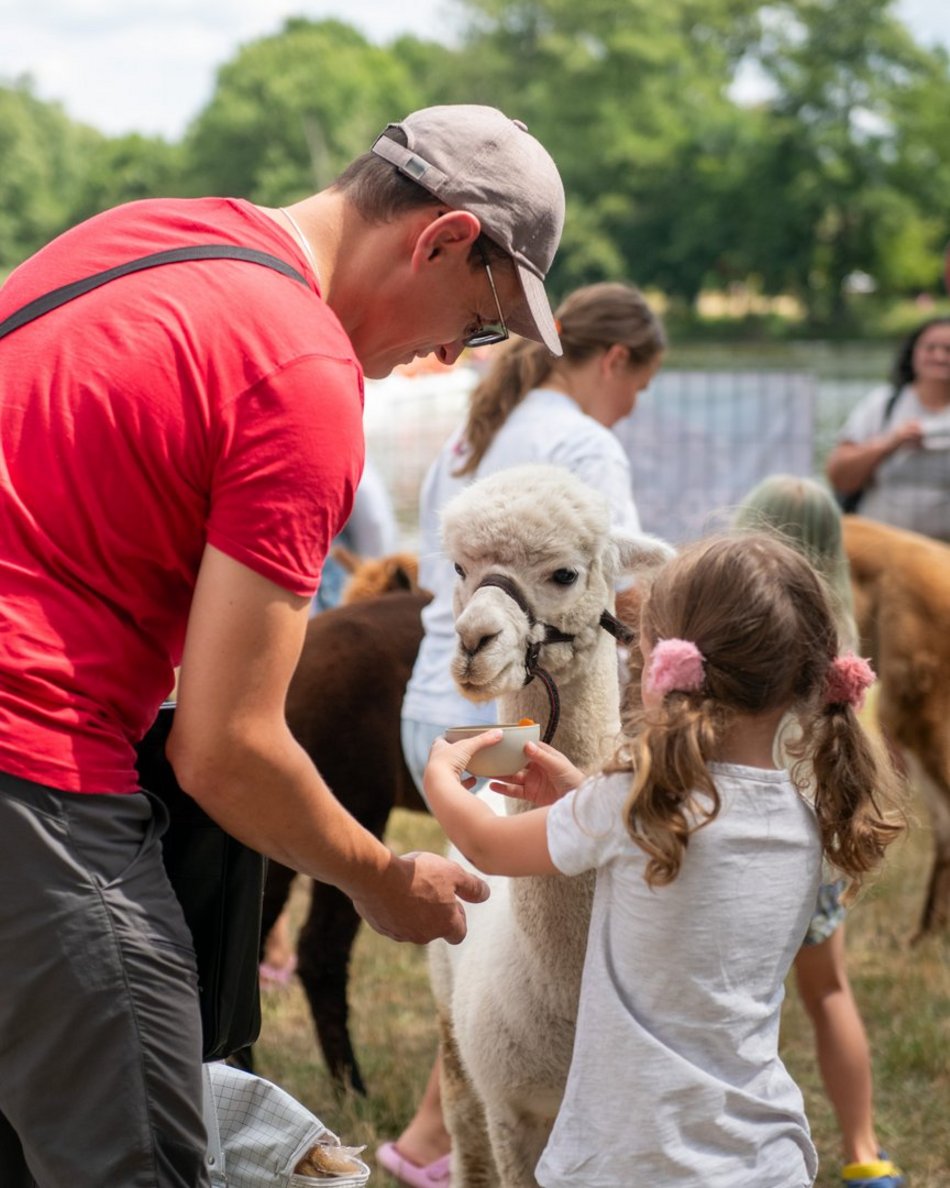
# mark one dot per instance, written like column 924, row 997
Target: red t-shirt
column 196, row 403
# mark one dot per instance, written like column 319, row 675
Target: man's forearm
column 272, row 798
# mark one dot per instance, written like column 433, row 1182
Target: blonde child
column 708, row 859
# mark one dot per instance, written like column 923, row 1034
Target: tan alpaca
column 901, row 583
column 507, row 997
column 372, row 576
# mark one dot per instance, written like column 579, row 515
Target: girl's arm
column 495, row 845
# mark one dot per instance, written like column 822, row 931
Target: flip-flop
column 437, row 1174
column 277, row 975
column 879, row 1173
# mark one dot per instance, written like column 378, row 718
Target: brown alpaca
column 901, row 583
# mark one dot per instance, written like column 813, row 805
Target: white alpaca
column 507, row 997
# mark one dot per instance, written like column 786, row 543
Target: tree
column 124, row 169
column 42, row 153
column 289, row 111
column 57, row 172
column 839, row 166
column 624, row 93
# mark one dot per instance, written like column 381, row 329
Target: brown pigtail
column 670, row 759
column 853, row 778
column 520, row 366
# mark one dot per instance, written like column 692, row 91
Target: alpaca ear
column 399, row 578
column 633, row 552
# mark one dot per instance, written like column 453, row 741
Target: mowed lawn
column 903, row 992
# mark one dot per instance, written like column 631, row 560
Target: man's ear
column 452, row 231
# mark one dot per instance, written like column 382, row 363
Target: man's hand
column 419, row 899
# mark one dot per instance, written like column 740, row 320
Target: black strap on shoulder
column 202, row 251
column 891, row 401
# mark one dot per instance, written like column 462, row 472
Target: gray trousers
column 100, row 1033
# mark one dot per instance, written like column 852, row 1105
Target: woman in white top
column 530, row 407
column 708, row 857
column 892, row 459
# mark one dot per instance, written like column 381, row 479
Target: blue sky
column 148, row 65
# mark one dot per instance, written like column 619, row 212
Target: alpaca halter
column 552, row 634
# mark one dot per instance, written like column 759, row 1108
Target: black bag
column 220, row 885
column 849, row 504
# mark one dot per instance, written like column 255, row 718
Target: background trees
column 289, row 111
column 846, row 154
column 838, row 169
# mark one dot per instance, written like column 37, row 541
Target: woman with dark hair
column 892, row 459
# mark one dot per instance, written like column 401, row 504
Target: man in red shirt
column 177, row 450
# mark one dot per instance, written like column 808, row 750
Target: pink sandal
column 437, row 1174
column 277, row 975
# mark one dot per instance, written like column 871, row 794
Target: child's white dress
column 675, row 1078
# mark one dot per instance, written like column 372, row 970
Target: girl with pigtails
column 708, row 857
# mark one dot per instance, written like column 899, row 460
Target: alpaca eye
column 459, row 570
column 564, row 577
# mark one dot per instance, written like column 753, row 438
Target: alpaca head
column 546, row 537
column 372, row 576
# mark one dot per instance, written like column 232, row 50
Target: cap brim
column 534, row 319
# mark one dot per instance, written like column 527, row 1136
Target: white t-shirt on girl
column 675, row 1078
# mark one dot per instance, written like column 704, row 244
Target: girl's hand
column 449, row 761
column 910, row 433
column 547, row 777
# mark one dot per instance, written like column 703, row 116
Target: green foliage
column 618, row 90
column 57, row 172
column 124, row 169
column 290, row 111
column 848, row 152
column 841, row 168
column 42, row 154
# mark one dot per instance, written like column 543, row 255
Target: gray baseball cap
column 475, row 158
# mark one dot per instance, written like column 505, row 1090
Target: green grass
column 903, row 993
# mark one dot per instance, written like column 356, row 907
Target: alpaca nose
column 480, row 644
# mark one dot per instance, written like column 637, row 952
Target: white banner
column 698, row 441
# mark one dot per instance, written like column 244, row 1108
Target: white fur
column 507, row 996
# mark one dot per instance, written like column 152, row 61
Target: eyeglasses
column 488, row 332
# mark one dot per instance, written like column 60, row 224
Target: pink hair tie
column 676, row 665
column 848, row 680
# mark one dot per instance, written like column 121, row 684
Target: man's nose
column 450, row 351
